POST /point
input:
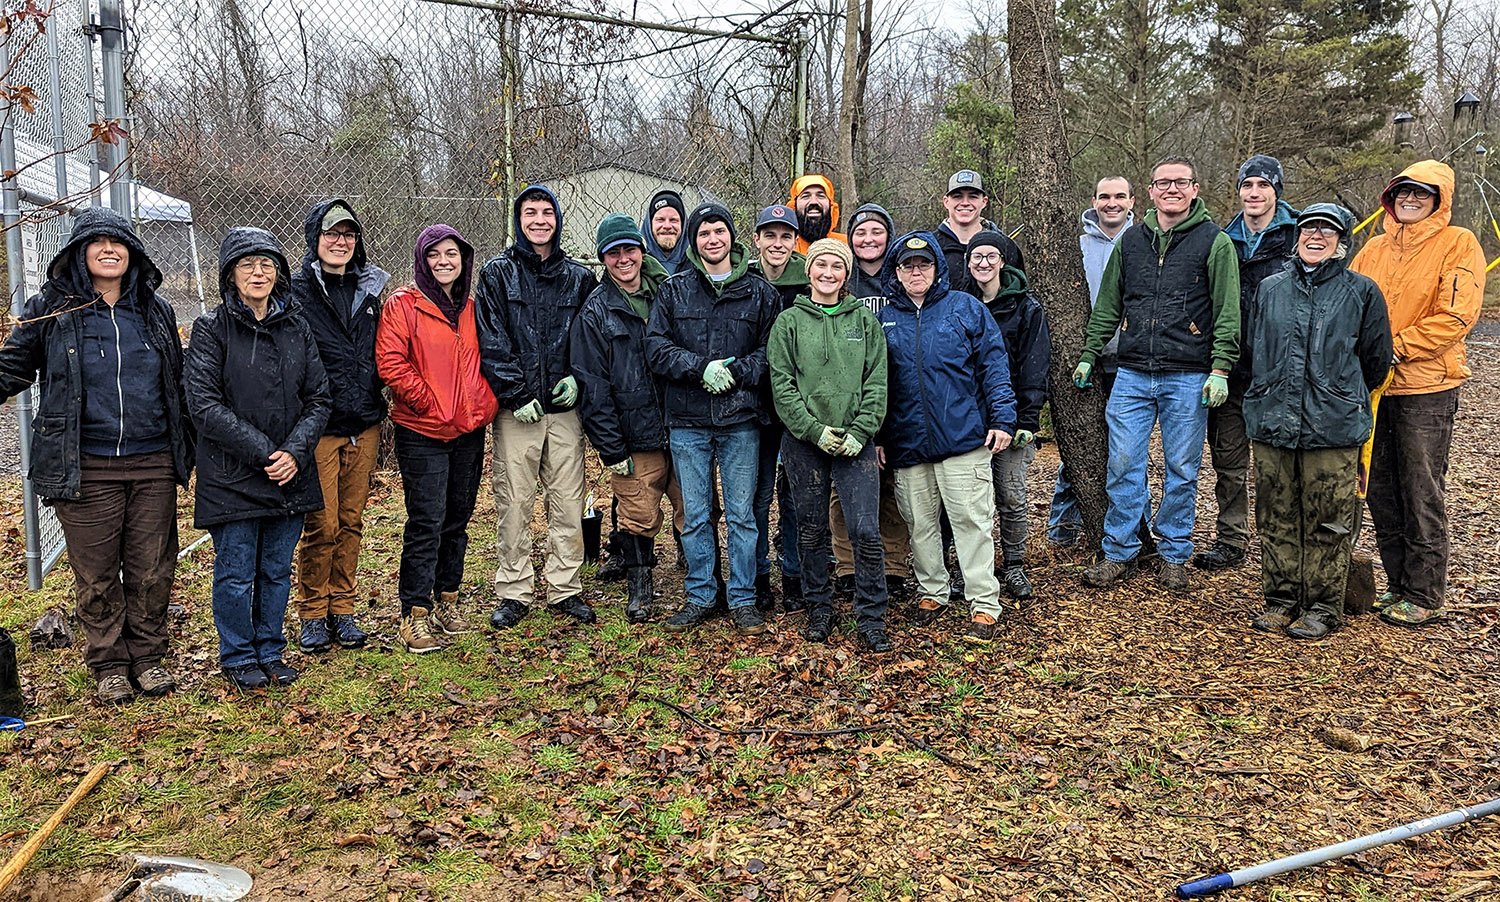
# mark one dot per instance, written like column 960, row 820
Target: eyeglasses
column 1412, row 191
column 1179, row 184
column 255, row 264
column 340, row 235
column 984, row 258
column 1327, row 231
column 915, row 266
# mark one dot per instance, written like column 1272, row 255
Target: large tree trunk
column 1054, row 262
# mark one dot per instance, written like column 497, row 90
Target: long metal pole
column 799, row 154
column 91, row 99
column 54, row 87
column 15, row 259
column 611, row 20
column 112, row 50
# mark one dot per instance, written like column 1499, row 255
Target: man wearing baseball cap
column 965, row 203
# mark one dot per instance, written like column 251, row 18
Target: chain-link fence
column 421, row 112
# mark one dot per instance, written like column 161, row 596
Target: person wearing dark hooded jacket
column 110, row 442
column 1320, row 343
column 706, row 341
column 950, row 407
column 427, row 351
column 1028, row 345
column 525, row 301
column 258, row 394
column 338, row 292
column 661, row 230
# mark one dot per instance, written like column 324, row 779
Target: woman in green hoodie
column 827, row 359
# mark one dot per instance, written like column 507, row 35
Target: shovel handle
column 18, row 861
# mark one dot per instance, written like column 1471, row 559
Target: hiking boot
column 928, row 611
column 765, row 596
column 1219, row 556
column 115, row 689
column 445, row 617
column 843, row 587
column 1107, row 571
column 574, row 606
column 642, row 591
column 507, row 614
column 1313, row 625
column 1173, row 577
column 279, row 672
column 819, row 625
column 314, row 636
column 981, row 630
column 1385, row 600
column 346, row 632
column 416, row 632
column 896, row 589
column 1273, row 619
column 690, row 616
column 246, row 677
column 791, row 595
column 1016, row 584
column 748, row 621
column 155, row 681
column 874, row 640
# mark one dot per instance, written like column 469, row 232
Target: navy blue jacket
column 948, row 375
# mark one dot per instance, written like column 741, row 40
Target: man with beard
column 965, row 203
column 661, row 229
column 817, row 211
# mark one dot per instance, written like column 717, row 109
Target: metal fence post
column 799, row 152
column 112, row 50
column 16, row 265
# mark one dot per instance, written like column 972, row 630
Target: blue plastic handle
column 12, row 723
column 1208, row 886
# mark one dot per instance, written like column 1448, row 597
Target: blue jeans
column 1139, row 401
column 252, row 582
column 736, row 448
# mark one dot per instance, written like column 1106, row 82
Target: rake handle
column 18, row 861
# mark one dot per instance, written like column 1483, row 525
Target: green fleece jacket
column 794, row 276
column 828, row 369
column 1223, row 287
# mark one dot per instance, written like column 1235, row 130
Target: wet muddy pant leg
column 1330, row 503
column 808, row 476
column 858, row 482
column 1229, row 449
column 1010, row 468
column 465, row 469
column 1278, row 521
column 1408, row 476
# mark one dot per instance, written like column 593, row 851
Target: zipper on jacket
column 922, row 385
column 119, row 382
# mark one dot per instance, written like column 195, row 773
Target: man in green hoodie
column 1172, row 287
column 619, row 400
column 827, row 357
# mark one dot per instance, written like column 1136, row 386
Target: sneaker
column 115, row 689
column 574, row 606
column 1219, row 556
column 981, row 630
column 246, row 677
column 279, row 672
column 874, row 640
column 416, row 632
column 346, row 632
column 1015, row 582
column 819, row 625
column 155, row 681
column 1173, row 577
column 765, row 596
column 1108, row 571
column 445, row 617
column 1385, row 600
column 690, row 616
column 748, row 621
column 314, row 636
column 928, row 611
column 507, row 614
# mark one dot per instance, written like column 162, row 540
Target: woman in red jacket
column 427, row 351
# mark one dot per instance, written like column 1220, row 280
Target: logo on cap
column 778, row 211
column 916, row 244
column 964, row 176
column 664, row 202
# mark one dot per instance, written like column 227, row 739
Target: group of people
column 887, row 386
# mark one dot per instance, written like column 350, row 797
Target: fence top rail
column 736, row 34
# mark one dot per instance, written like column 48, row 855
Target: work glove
column 1022, row 439
column 1081, row 374
column 530, row 412
column 832, row 440
column 565, row 392
column 1215, row 390
column 852, row 446
column 624, row 468
column 716, row 376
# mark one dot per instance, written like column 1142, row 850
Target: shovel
column 169, row 879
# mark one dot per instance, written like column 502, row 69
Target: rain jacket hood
column 312, row 228
column 515, row 221
column 247, row 241
column 69, row 272
column 423, row 277
column 833, row 207
column 892, row 285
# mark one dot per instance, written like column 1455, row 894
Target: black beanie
column 989, row 238
column 707, row 212
column 665, row 198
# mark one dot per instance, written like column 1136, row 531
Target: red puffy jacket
column 431, row 367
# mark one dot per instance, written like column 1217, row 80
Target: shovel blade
column 166, row 878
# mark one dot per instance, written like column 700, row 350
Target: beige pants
column 963, row 485
column 549, row 451
column 639, row 494
column 330, row 537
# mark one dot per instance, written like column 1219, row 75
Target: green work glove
column 832, row 440
column 1215, row 390
column 624, row 468
column 852, row 446
column 565, row 392
column 1081, row 374
column 530, row 412
column 716, row 376
column 1022, row 439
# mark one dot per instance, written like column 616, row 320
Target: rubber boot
column 614, row 565
column 638, row 554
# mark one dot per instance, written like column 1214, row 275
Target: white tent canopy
column 37, row 178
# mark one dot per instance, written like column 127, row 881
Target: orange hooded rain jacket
column 833, row 208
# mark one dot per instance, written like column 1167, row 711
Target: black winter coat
column 346, row 337
column 619, row 400
column 692, row 324
column 523, row 309
column 1270, row 256
column 254, row 387
column 1028, row 344
column 1321, row 344
column 46, row 344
